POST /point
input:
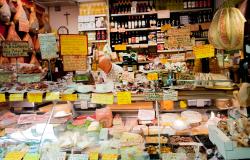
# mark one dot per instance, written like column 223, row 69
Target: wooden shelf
column 98, row 41
column 133, row 14
column 93, row 29
column 170, row 51
column 190, row 10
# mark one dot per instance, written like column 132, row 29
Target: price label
column 120, row 47
column 69, row 97
column 102, row 98
column 2, row 98
column 84, row 97
column 203, row 51
column 35, row 97
column 16, row 97
column 15, row 155
column 151, row 96
column 124, row 97
column 52, row 96
column 152, row 76
column 31, row 156
column 109, row 156
column 171, row 95
column 93, row 156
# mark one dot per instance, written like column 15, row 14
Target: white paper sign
column 170, row 94
column 163, row 14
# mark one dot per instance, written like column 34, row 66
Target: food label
column 102, row 98
column 15, row 48
column 16, row 97
column 74, row 63
column 152, row 76
column 124, row 97
column 2, row 98
column 93, row 156
column 76, row 45
column 163, row 14
column 35, row 97
column 171, row 95
column 48, row 45
column 51, row 96
column 204, row 51
column 69, row 97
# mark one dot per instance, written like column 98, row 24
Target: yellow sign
column 35, row 97
column 93, row 156
column 102, row 98
column 203, row 51
column 109, row 156
column 124, row 97
column 163, row 60
column 69, row 97
column 15, row 155
column 52, row 96
column 31, row 156
column 152, row 76
column 74, row 45
column 16, row 97
column 120, row 47
column 2, row 98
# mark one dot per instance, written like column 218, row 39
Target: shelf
column 191, row 10
column 93, row 29
column 98, row 41
column 141, row 62
column 160, row 42
column 133, row 14
column 139, row 45
column 136, row 29
column 170, row 51
column 198, row 109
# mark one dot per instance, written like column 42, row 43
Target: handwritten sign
column 151, row 96
column 124, row 97
column 109, row 156
column 102, row 98
column 93, row 156
column 15, row 48
column 203, row 51
column 120, row 47
column 76, row 45
column 2, row 98
column 14, row 155
column 74, row 63
column 31, row 156
column 48, row 45
column 24, row 25
column 51, row 96
column 69, row 97
column 170, row 95
column 5, row 77
column 152, row 76
column 35, row 97
column 16, row 97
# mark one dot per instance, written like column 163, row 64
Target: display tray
column 226, row 146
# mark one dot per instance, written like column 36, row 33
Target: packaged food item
column 105, row 117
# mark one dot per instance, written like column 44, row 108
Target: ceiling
column 51, row 3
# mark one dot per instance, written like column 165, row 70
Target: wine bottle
column 143, row 23
column 205, row 3
column 185, row 4
column 190, row 4
column 201, row 3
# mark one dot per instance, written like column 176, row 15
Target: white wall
column 58, row 19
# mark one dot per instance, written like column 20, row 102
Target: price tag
column 171, row 95
column 84, row 97
column 2, row 98
column 152, row 76
column 51, row 96
column 16, row 97
column 124, row 97
column 109, row 156
column 31, row 156
column 120, row 47
column 35, row 97
column 15, row 155
column 102, row 98
column 69, row 97
column 151, row 96
column 203, row 51
column 93, row 156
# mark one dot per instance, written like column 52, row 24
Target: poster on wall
column 74, row 63
column 48, row 45
column 74, row 45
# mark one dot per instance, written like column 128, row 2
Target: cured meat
column 34, row 24
column 20, row 14
column 5, row 13
column 12, row 7
column 29, row 40
column 46, row 26
column 227, row 29
column 34, row 60
column 36, row 44
column 3, row 60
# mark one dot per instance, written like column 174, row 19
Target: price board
column 204, row 51
column 152, row 96
column 124, row 97
column 52, row 96
column 35, row 97
column 69, row 97
column 15, row 97
column 76, row 45
column 74, row 63
column 48, row 45
column 2, row 97
column 102, row 98
column 15, row 48
column 170, row 95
